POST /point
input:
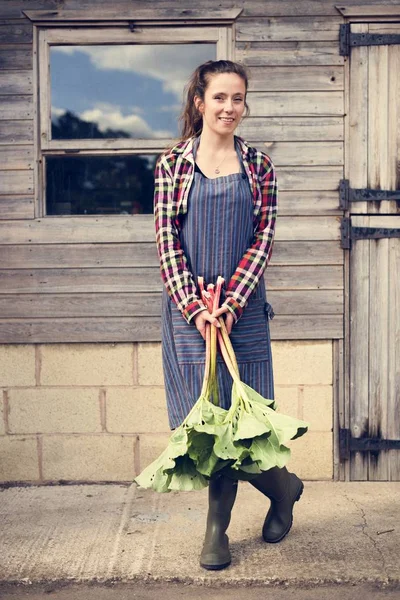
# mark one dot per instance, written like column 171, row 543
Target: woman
column 215, row 209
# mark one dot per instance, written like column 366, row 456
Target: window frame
column 85, row 33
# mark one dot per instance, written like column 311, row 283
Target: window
column 109, row 100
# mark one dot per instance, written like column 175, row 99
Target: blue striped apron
column 216, row 231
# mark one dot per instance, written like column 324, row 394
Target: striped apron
column 216, row 231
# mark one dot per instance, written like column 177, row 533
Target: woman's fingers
column 229, row 322
column 220, row 311
column 201, row 319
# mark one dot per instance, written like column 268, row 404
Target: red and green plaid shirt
column 174, row 173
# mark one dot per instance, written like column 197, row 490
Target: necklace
column 216, row 170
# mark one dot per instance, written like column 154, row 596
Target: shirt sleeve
column 256, row 258
column 175, row 273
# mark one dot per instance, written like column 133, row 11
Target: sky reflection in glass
column 129, row 91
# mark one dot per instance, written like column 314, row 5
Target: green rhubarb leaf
column 252, row 395
column 249, row 427
column 185, row 477
column 268, row 452
column 224, row 446
column 285, row 428
column 154, row 475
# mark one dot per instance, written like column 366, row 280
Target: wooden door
column 373, row 357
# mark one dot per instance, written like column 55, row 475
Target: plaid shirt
column 174, row 173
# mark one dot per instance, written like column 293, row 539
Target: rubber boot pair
column 283, row 489
column 215, row 554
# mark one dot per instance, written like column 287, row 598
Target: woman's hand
column 201, row 319
column 229, row 320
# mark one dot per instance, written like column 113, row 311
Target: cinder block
column 317, row 407
column 150, row 369
column 287, row 400
column 136, row 410
column 17, row 365
column 99, row 457
column 302, row 362
column 151, row 446
column 49, row 410
column 87, row 364
column 18, row 459
column 312, row 456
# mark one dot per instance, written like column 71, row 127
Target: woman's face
column 223, row 104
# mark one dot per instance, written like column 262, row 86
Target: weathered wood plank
column 140, row 228
column 309, row 203
column 277, row 29
column 359, row 351
column 255, row 8
column 312, row 178
column 20, row 157
column 303, row 327
column 358, row 119
column 14, row 32
column 181, row 15
column 385, row 27
column 296, row 78
column 148, row 329
column 16, row 82
column 16, row 132
column 16, row 107
column 13, row 57
column 383, row 123
column 143, row 279
column 378, row 365
column 295, row 104
column 308, row 53
column 377, row 9
column 16, row 182
column 303, row 153
column 16, row 207
column 123, row 35
column 304, row 302
column 393, row 342
column 43, row 256
column 292, row 129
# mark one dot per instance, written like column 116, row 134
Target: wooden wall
column 76, row 279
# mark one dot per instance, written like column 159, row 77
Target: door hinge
column 348, row 194
column 345, row 234
column 348, row 233
column 348, row 444
column 348, row 39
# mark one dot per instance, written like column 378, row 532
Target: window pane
column 100, row 185
column 127, row 91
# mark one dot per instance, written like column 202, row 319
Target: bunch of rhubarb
column 241, row 442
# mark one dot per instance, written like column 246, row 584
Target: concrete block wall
column 96, row 412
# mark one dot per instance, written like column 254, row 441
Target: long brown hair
column 190, row 118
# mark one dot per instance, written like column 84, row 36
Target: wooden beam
column 141, row 15
column 369, row 10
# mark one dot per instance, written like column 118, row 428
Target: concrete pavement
column 342, row 533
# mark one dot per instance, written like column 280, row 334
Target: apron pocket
column 190, row 346
column 249, row 335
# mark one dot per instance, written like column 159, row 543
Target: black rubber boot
column 283, row 489
column 215, row 554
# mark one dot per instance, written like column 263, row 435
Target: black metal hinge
column 348, row 444
column 350, row 233
column 348, row 194
column 348, row 40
